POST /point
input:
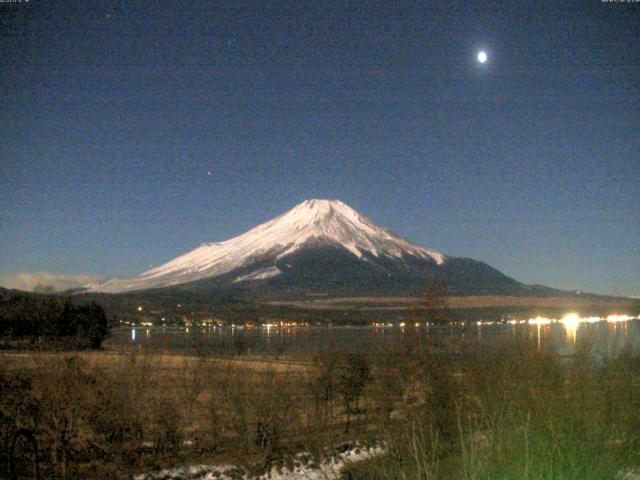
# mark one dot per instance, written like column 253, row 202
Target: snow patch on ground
column 633, row 474
column 301, row 466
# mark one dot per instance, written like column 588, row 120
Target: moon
column 482, row 56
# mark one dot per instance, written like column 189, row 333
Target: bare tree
column 353, row 375
column 434, row 303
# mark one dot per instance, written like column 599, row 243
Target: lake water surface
column 601, row 336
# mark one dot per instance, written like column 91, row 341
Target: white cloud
column 45, row 281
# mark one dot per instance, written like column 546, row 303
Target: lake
column 601, row 336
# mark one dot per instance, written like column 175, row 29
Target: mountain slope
column 320, row 247
column 309, row 225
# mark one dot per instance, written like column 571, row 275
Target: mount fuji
column 319, row 247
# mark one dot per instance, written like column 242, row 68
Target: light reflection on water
column 600, row 336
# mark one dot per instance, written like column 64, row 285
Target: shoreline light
column 571, row 321
column 539, row 321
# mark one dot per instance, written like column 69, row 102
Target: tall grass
column 519, row 414
column 445, row 411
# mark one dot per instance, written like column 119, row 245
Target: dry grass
column 170, row 362
column 110, row 415
column 473, row 301
column 446, row 411
column 518, row 414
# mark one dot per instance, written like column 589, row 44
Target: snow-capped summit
column 335, row 222
column 312, row 223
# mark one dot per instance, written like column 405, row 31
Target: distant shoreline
column 466, row 302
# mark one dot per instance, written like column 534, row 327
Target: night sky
column 113, row 114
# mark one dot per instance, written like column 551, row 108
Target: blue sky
column 113, row 114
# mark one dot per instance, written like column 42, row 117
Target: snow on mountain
column 311, row 222
column 260, row 274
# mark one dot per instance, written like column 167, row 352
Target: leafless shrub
column 166, row 429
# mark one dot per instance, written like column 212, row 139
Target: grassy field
column 474, row 301
column 171, row 363
column 469, row 411
column 113, row 414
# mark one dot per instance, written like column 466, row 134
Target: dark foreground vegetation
column 445, row 410
column 41, row 321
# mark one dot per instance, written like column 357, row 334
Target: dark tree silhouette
column 52, row 319
column 434, row 302
column 352, row 378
